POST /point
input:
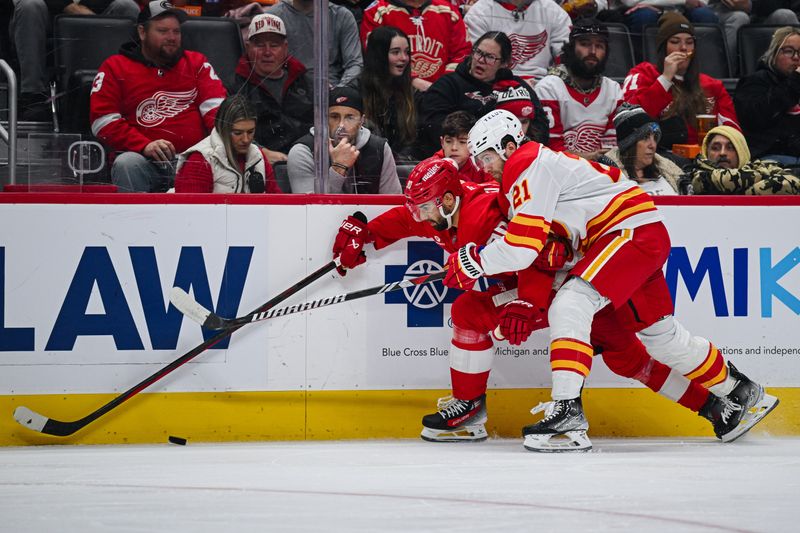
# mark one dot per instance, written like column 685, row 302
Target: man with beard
column 578, row 99
column 153, row 101
column 724, row 167
column 360, row 162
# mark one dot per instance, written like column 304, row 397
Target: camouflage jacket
column 756, row 177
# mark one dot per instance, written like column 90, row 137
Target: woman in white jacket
column 227, row 160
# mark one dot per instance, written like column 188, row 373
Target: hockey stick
column 50, row 426
column 201, row 315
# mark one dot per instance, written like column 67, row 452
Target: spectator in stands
column 538, row 30
column 637, row 138
column 455, row 145
column 390, row 108
column 578, row 100
column 674, row 91
column 641, row 13
column 733, row 14
column 227, row 160
column 437, row 32
column 769, row 100
column 31, row 22
column 277, row 85
column 361, row 163
column 475, row 87
column 344, row 50
column 153, row 100
column 724, row 167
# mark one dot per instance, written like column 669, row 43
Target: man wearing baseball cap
column 360, row 162
column 153, row 100
column 579, row 100
column 277, row 85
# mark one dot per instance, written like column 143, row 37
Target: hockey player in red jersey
column 622, row 244
column 452, row 213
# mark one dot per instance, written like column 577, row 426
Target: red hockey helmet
column 429, row 181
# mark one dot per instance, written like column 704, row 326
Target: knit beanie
column 669, row 24
column 633, row 124
column 514, row 98
column 736, row 138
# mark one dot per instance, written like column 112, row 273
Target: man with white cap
column 153, row 100
column 277, row 85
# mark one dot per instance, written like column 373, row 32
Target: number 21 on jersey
column 520, row 193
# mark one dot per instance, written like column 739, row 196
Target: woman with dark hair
column 385, row 87
column 674, row 91
column 478, row 83
column 227, row 160
column 637, row 138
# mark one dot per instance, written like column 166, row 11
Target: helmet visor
column 424, row 211
column 485, row 159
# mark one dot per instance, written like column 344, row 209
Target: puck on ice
column 177, row 440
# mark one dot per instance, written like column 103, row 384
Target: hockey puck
column 177, row 440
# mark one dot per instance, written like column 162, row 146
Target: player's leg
column 611, row 270
column 462, row 417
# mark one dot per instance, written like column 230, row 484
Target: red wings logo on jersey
column 425, row 66
column 584, row 138
column 475, row 95
column 526, row 47
column 163, row 105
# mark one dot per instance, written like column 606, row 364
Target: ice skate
column 563, row 428
column 456, row 421
column 735, row 414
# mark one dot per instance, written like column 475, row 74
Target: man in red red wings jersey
column 622, row 246
column 152, row 101
column 435, row 30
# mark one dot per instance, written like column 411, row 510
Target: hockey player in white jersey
column 618, row 233
column 578, row 100
column 537, row 28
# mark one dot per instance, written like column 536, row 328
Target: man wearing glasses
column 768, row 101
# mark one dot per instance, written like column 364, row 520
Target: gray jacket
column 301, row 170
column 345, row 61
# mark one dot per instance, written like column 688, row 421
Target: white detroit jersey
column 537, row 34
column 580, row 122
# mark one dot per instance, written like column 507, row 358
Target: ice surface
column 403, row 485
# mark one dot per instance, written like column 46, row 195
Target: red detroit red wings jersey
column 436, row 33
column 133, row 104
column 643, row 86
column 480, row 220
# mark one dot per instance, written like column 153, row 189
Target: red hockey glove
column 349, row 244
column 463, row 268
column 518, row 319
column 555, row 254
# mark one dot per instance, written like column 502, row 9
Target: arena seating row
column 82, row 43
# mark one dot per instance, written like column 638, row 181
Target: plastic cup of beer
column 704, row 124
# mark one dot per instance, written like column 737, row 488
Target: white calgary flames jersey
column 554, row 191
column 537, row 34
column 580, row 122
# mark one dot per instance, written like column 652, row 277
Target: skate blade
column 476, row 433
column 571, row 441
column 753, row 416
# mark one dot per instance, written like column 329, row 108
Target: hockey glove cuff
column 350, row 241
column 463, row 268
column 518, row 319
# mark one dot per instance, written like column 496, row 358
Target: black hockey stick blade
column 50, row 426
column 188, row 306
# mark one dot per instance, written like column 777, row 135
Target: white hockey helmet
column 490, row 130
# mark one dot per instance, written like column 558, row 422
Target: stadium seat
column 219, row 39
column 753, row 40
column 620, row 49
column 712, row 50
column 81, row 45
column 402, row 172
